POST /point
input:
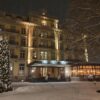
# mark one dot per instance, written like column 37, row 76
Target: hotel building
column 38, row 38
column 31, row 38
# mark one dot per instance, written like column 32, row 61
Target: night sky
column 55, row 8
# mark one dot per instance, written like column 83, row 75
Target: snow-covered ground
column 53, row 91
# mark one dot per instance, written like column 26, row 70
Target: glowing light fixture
column 11, row 68
column 33, row 70
column 44, row 62
column 44, row 22
column 63, row 62
column 53, row 62
column 67, row 71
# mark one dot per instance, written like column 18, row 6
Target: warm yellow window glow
column 44, row 22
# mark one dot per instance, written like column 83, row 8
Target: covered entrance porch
column 42, row 71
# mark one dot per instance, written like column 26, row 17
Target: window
column 36, row 32
column 12, row 51
column 43, row 34
column 12, row 40
column 23, row 30
column 21, row 67
column 34, row 55
column 52, row 55
column 41, row 44
column 23, row 41
column 13, row 54
column 1, row 27
column 44, row 22
column 22, row 54
column 35, row 43
column 43, row 55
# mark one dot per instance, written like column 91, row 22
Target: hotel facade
column 32, row 38
column 37, row 38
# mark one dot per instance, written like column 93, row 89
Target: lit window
column 44, row 22
column 41, row 35
column 43, row 55
column 34, row 55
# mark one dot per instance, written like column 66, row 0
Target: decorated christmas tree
column 4, row 65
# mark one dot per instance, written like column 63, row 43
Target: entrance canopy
column 48, row 63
